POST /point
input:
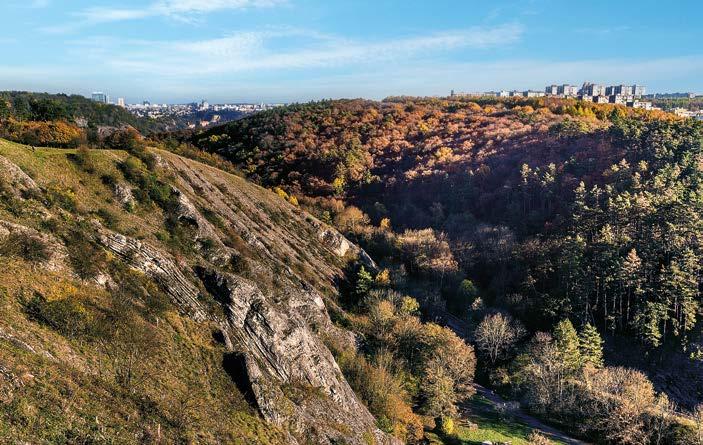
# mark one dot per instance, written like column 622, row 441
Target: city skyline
column 170, row 51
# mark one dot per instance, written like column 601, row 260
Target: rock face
column 159, row 266
column 277, row 357
column 56, row 252
column 269, row 313
column 16, row 181
column 281, row 351
column 340, row 245
column 124, row 195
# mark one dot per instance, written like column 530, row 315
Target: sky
column 179, row 51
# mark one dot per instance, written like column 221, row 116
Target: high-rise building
column 592, row 89
column 99, row 96
column 120, row 102
column 552, row 90
column 567, row 90
column 624, row 90
column 638, row 90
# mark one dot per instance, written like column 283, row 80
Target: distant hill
column 75, row 109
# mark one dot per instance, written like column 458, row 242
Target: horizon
column 284, row 51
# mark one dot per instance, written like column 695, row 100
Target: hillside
column 60, row 120
column 556, row 222
column 165, row 303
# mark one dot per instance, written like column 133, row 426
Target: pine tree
column 364, row 283
column 567, row 343
column 591, row 346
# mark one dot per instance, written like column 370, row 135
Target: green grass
column 488, row 426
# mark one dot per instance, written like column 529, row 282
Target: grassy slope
column 66, row 392
column 480, row 422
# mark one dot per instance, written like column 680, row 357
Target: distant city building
column 638, row 90
column 120, row 102
column 552, row 90
column 592, row 89
column 204, row 105
column 618, row 99
column 531, row 93
column 99, row 96
column 620, row 90
column 568, row 90
column 640, row 104
column 601, row 99
column 502, row 93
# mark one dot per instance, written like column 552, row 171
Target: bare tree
column 496, row 335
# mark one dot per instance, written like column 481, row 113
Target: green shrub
column 85, row 158
column 87, row 258
column 24, row 245
column 109, row 219
column 64, row 198
column 66, row 316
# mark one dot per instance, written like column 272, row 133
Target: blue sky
column 297, row 50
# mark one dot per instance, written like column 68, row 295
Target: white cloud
column 184, row 10
column 252, row 51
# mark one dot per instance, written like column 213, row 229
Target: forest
column 547, row 249
column 561, row 235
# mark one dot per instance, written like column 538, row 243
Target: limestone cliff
column 259, row 275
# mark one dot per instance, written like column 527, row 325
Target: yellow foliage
column 60, row 291
column 280, row 192
column 383, row 278
column 443, row 153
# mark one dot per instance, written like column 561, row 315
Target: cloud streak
column 261, row 51
column 182, row 10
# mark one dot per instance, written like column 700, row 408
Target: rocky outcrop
column 124, row 194
column 56, row 254
column 16, row 180
column 341, row 246
column 282, row 354
column 159, row 266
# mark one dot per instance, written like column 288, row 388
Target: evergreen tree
column 567, row 343
column 364, row 284
column 591, row 346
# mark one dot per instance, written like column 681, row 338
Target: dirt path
column 521, row 416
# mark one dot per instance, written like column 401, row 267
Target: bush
column 383, row 392
column 87, row 258
column 66, row 315
column 58, row 196
column 446, row 425
column 85, row 159
column 109, row 218
column 24, row 245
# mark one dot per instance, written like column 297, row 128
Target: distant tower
column 99, row 96
column 120, row 102
column 452, row 94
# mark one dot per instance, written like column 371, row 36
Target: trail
column 521, row 416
